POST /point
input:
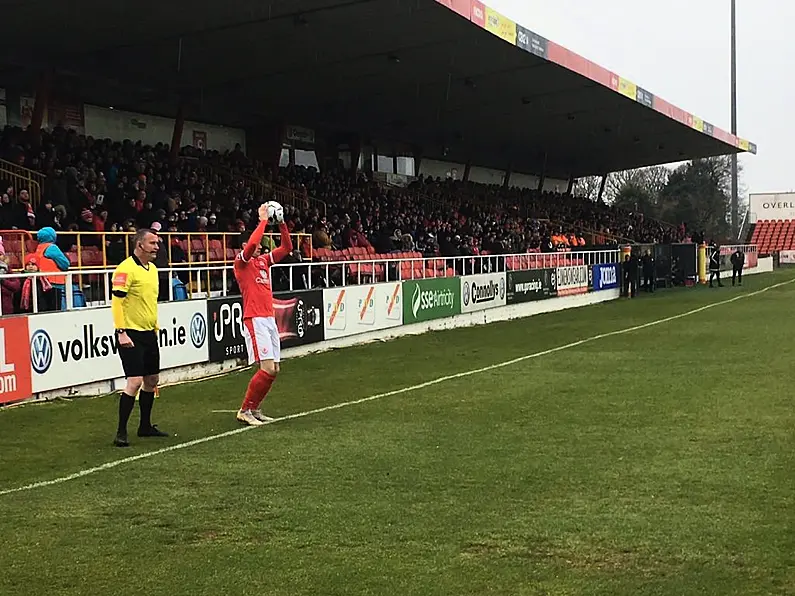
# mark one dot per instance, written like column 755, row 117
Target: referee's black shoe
column 121, row 440
column 151, row 431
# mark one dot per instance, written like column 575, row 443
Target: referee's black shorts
column 143, row 358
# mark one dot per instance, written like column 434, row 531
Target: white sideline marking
column 461, row 375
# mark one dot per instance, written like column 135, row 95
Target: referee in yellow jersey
column 134, row 306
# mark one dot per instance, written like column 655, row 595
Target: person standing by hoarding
column 253, row 274
column 649, row 273
column 134, row 308
column 714, row 264
column 738, row 261
column 630, row 275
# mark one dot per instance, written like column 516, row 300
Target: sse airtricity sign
column 428, row 299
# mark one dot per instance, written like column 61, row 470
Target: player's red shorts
column 262, row 339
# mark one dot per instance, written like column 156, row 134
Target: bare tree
column 587, row 187
column 650, row 180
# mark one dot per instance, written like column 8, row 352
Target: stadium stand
column 772, row 236
column 91, row 190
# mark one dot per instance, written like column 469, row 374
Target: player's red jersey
column 254, row 274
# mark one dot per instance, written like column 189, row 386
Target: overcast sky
column 680, row 50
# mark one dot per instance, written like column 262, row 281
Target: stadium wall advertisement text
column 225, row 329
column 573, row 280
column 78, row 347
column 527, row 286
column 479, row 292
column 771, row 206
column 15, row 378
column 298, row 317
column 428, row 299
column 606, row 277
column 59, row 351
column 359, row 309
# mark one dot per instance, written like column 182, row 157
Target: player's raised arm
column 256, row 236
column 286, row 246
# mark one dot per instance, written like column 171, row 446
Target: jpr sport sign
column 78, row 347
column 360, row 309
column 527, row 286
column 479, row 292
column 605, row 277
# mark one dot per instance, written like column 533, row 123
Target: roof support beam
column 602, row 185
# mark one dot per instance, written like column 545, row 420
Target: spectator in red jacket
column 9, row 287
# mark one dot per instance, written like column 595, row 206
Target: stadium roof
column 453, row 77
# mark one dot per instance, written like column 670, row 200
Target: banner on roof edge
column 500, row 25
column 627, row 88
column 644, row 97
column 459, row 6
column 532, row 42
column 478, row 13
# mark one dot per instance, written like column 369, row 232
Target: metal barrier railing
column 209, row 280
column 21, row 178
column 90, row 249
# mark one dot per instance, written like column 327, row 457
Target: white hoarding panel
column 78, row 347
column 479, row 292
column 359, row 309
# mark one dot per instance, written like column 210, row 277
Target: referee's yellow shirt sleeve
column 116, row 307
column 121, row 282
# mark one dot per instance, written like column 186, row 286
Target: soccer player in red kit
column 253, row 274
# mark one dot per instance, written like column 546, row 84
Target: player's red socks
column 258, row 388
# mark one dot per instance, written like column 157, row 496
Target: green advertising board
column 428, row 299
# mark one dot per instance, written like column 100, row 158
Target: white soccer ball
column 275, row 212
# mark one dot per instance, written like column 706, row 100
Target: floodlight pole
column 735, row 190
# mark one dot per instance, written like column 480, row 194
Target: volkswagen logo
column 40, row 351
column 198, row 330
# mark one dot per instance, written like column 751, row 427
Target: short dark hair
column 246, row 236
column 140, row 234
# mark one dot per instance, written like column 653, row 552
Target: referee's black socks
column 126, row 405
column 146, row 400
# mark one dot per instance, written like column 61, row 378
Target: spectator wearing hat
column 45, row 295
column 50, row 259
column 9, row 287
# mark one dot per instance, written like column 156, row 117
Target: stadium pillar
column 356, row 154
column 40, row 107
column 394, row 163
column 277, row 142
column 602, row 185
column 321, row 153
column 735, row 202
column 467, row 170
column 417, row 153
column 543, row 177
column 570, row 187
column 506, row 182
column 176, row 136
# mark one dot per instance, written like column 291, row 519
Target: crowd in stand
column 95, row 185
